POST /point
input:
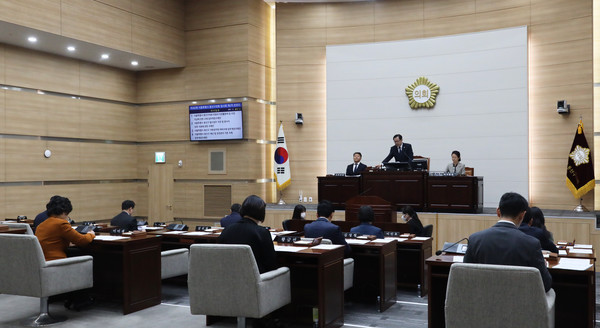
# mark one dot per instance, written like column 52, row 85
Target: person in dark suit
column 247, row 231
column 321, row 227
column 233, row 217
column 528, row 228
column 503, row 243
column 412, row 219
column 44, row 215
column 400, row 151
column 366, row 227
column 124, row 220
column 357, row 166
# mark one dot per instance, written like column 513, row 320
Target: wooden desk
column 15, row 230
column 575, row 293
column 455, row 194
column 399, row 188
column 412, row 270
column 375, row 273
column 127, row 270
column 316, row 277
column 338, row 189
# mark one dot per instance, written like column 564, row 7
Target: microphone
column 438, row 252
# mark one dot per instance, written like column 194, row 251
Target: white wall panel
column 481, row 110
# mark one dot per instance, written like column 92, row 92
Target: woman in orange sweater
column 55, row 234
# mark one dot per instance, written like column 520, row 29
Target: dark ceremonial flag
column 580, row 168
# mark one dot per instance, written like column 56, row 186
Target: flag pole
column 281, row 202
column 580, row 207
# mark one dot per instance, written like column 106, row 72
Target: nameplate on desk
column 102, row 237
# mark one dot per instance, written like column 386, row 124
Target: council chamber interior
column 501, row 68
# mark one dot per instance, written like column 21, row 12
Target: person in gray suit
column 456, row 167
column 503, row 243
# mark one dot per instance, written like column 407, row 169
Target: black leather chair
column 427, row 230
column 286, row 225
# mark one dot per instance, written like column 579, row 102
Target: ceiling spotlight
column 32, row 39
column 194, row 102
column 71, row 48
column 105, row 56
column 134, row 63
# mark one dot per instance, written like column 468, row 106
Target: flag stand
column 281, row 202
column 580, row 207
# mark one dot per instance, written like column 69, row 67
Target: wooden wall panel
column 301, row 91
column 255, row 121
column 301, row 38
column 63, row 116
column 121, row 4
column 161, row 86
column 434, row 9
column 503, row 18
column 259, row 46
column 300, row 16
column 2, row 63
column 217, row 45
column 97, row 23
column 221, row 80
column 399, row 31
column 302, row 73
column 300, row 55
column 398, row 11
column 107, row 83
column 52, row 73
column 103, row 201
column 202, row 14
column 450, row 25
column 350, row 14
column 558, row 10
column 163, row 122
column 38, row 14
column 24, row 160
column 353, row 34
column 64, row 164
column 26, row 113
column 492, row 5
column 169, row 12
column 108, row 161
column 108, row 121
column 560, row 30
column 157, row 40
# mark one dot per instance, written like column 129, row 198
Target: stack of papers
column 198, row 233
column 573, row 264
column 326, row 246
column 289, row 248
column 357, row 241
column 396, row 238
column 420, row 238
column 102, row 237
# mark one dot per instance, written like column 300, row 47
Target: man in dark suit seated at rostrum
column 323, row 228
column 357, row 167
column 233, row 217
column 124, row 220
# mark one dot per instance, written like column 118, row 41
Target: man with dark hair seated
column 233, row 217
column 504, row 244
column 323, row 228
column 124, row 220
column 366, row 227
column 247, row 231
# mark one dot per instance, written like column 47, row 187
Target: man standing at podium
column 504, row 244
column 401, row 151
column 356, row 167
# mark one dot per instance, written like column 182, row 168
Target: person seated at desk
column 539, row 221
column 233, row 217
column 504, row 244
column 526, row 227
column 124, row 220
column 55, row 233
column 400, row 151
column 299, row 212
column 42, row 216
column 321, row 227
column 456, row 167
column 356, row 167
column 412, row 219
column 366, row 227
column 247, row 231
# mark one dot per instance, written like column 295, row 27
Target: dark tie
column 355, row 167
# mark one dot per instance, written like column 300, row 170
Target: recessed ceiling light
column 71, row 48
column 194, row 102
column 32, row 39
column 134, row 63
column 105, row 56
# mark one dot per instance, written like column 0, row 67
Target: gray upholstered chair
column 24, row 271
column 348, row 268
column 485, row 295
column 223, row 280
column 174, row 263
column 20, row 225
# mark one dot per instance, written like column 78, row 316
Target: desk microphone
column 447, row 248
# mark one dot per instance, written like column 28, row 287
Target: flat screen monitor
column 419, row 164
column 397, row 166
column 216, row 122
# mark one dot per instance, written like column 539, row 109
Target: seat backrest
column 469, row 171
column 223, row 280
column 21, row 261
column 486, row 295
column 20, row 226
column 286, row 224
column 427, row 230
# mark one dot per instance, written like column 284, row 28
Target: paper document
column 289, row 248
column 580, row 251
column 357, row 241
column 379, row 240
column 151, row 228
column 583, row 246
column 284, row 232
column 321, row 246
column 420, row 238
column 396, row 238
column 198, row 233
column 98, row 237
column 562, row 252
column 573, row 264
column 457, row 258
column 173, row 232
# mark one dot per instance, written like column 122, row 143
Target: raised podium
column 384, row 211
